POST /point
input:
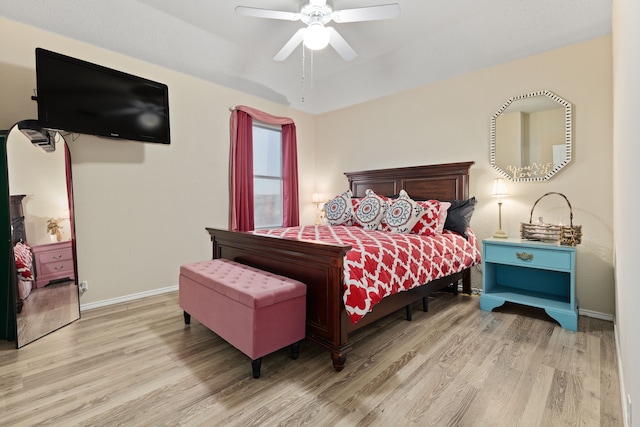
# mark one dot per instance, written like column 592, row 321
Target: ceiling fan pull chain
column 311, row 71
column 302, row 88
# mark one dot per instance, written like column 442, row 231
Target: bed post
column 466, row 281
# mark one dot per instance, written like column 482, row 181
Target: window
column 276, row 171
column 267, row 175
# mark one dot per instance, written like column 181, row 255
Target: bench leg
column 425, row 304
column 408, row 310
column 187, row 318
column 295, row 350
column 255, row 367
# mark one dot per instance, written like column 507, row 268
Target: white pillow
column 442, row 218
column 403, row 214
column 339, row 210
column 371, row 211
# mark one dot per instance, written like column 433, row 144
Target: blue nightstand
column 537, row 274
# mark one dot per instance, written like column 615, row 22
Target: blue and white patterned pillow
column 339, row 210
column 403, row 214
column 370, row 211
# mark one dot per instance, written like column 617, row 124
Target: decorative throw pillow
column 403, row 214
column 459, row 216
column 339, row 210
column 23, row 257
column 428, row 222
column 442, row 218
column 355, row 202
column 370, row 211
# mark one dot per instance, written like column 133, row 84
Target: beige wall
column 449, row 122
column 141, row 208
column 626, row 200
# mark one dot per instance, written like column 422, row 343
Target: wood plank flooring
column 137, row 364
column 47, row 309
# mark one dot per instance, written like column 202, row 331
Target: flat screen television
column 78, row 96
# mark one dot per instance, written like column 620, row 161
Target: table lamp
column 318, row 199
column 499, row 191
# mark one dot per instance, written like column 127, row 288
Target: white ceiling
column 432, row 40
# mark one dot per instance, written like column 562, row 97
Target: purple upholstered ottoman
column 255, row 311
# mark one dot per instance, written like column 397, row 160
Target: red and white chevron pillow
column 429, row 222
column 22, row 254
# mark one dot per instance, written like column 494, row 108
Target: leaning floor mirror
column 42, row 232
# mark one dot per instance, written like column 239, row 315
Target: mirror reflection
column 42, row 235
column 531, row 136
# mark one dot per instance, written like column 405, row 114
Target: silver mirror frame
column 568, row 138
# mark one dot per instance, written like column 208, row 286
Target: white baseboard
column 126, row 298
column 623, row 392
column 596, row 315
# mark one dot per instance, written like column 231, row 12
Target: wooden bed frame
column 320, row 265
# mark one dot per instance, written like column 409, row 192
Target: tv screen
column 78, row 96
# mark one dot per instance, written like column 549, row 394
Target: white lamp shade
column 499, row 188
column 317, row 198
column 316, row 36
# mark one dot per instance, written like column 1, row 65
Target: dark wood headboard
column 448, row 181
column 18, row 232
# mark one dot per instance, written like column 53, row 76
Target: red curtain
column 291, row 205
column 241, row 168
column 72, row 222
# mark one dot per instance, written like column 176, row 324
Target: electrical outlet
column 84, row 286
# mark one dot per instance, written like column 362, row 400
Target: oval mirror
column 531, row 136
column 42, row 233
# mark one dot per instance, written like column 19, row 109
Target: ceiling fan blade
column 340, row 45
column 290, row 45
column 266, row 13
column 371, row 13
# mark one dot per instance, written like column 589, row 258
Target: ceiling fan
column 315, row 14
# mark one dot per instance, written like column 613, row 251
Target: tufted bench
column 255, row 311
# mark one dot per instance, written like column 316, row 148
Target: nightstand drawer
column 528, row 257
column 57, row 268
column 56, row 256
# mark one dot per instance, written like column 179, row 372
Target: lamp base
column 500, row 234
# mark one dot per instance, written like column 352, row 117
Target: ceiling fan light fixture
column 316, row 36
column 315, row 14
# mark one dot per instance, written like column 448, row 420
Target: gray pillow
column 459, row 216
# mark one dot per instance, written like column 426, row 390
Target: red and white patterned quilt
column 383, row 263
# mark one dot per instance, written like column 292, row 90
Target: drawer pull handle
column 57, row 256
column 523, row 256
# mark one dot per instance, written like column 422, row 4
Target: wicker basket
column 568, row 235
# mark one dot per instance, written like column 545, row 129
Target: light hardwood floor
column 47, row 309
column 136, row 364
